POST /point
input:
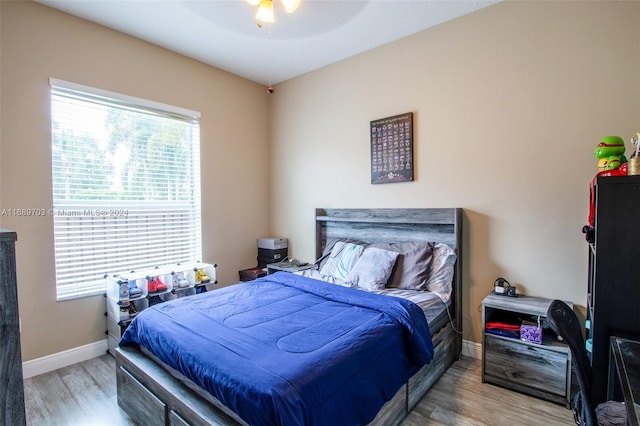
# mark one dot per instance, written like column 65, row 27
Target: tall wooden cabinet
column 11, row 387
column 613, row 290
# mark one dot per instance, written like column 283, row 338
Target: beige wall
column 38, row 43
column 508, row 102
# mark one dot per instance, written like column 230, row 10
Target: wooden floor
column 85, row 394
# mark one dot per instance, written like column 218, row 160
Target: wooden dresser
column 12, row 390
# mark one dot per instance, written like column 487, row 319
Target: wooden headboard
column 443, row 225
column 388, row 225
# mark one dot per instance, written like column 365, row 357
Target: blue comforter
column 290, row 350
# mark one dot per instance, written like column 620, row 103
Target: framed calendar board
column 392, row 149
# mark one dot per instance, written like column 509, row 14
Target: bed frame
column 152, row 393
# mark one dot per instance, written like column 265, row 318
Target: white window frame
column 98, row 237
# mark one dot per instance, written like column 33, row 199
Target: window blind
column 126, row 186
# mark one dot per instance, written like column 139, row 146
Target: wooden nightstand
column 542, row 370
column 251, row 274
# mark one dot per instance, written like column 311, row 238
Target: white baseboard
column 472, row 349
column 52, row 362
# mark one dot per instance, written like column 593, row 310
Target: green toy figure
column 610, row 152
column 612, row 162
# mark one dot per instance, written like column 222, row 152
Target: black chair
column 564, row 322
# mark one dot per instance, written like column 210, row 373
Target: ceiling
column 224, row 33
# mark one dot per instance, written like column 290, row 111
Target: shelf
column 118, row 321
column 131, row 299
column 388, row 216
column 383, row 220
column 186, row 288
column 523, row 304
column 160, row 293
column 548, row 342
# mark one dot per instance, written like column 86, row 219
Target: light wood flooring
column 84, row 394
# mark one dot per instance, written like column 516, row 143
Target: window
column 126, row 186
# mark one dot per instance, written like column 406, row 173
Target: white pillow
column 442, row 268
column 342, row 258
column 373, row 268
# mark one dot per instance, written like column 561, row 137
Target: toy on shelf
column 201, row 276
column 612, row 162
column 179, row 280
column 134, row 291
column 610, row 153
column 155, row 284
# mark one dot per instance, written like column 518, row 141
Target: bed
column 158, row 386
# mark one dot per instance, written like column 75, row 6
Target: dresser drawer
column 136, row 399
column 176, row 420
column 525, row 365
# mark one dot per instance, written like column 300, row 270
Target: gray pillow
column 412, row 266
column 373, row 269
column 442, row 268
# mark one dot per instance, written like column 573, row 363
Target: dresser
column 12, row 390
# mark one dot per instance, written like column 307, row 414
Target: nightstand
column 542, row 370
column 251, row 274
column 288, row 267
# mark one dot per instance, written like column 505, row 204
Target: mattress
column 285, row 349
column 435, row 310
